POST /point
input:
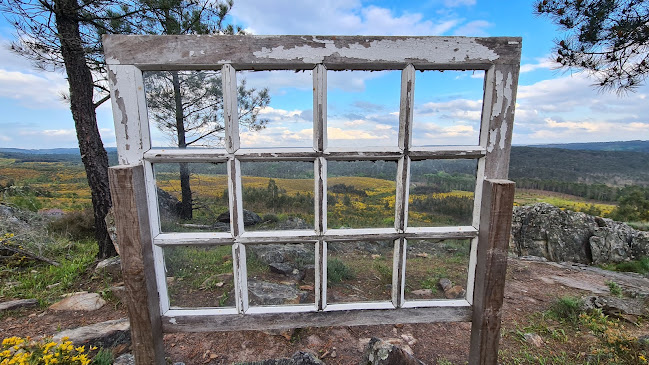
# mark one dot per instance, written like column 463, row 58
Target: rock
column 119, row 291
column 82, row 301
column 455, row 292
column 18, row 304
column 614, row 306
column 422, row 292
column 298, row 358
column 52, row 213
column 289, row 253
column 104, row 334
column 533, row 339
column 111, row 266
column 125, row 359
column 168, row 205
column 249, row 218
column 282, row 268
column 111, row 228
column 445, row 284
column 294, row 223
column 265, row 293
column 379, row 352
column 562, row 235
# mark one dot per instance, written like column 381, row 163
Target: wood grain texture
column 132, row 221
column 230, row 108
column 208, row 323
column 493, row 241
column 406, row 108
column 252, row 52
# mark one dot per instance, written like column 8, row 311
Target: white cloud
column 455, row 3
column 338, row 17
column 35, row 91
column 476, row 28
column 541, row 63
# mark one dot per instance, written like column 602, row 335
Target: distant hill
column 629, row 146
column 594, row 166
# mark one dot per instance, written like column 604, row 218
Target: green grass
column 640, row 266
column 566, row 309
column 338, row 272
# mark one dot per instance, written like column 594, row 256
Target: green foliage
column 76, row 225
column 640, row 266
column 614, row 288
column 607, row 39
column 633, row 204
column 103, row 357
column 458, row 208
column 566, row 309
column 337, row 271
column 346, row 189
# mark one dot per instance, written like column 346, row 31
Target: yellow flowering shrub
column 24, row 351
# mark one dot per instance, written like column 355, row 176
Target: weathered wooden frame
column 128, row 56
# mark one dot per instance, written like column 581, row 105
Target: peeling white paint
column 492, row 140
column 453, row 51
column 172, row 320
column 498, row 105
column 502, row 135
column 191, row 53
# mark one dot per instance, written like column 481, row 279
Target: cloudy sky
column 552, row 106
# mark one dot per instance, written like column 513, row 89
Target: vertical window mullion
column 320, row 179
column 230, row 108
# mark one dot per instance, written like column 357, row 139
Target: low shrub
column 75, row 225
column 337, row 271
column 17, row 350
column 567, row 309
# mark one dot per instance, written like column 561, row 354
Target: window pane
column 441, row 192
column 276, row 109
column 448, row 106
column 199, row 276
column 359, row 271
column 363, row 108
column 278, row 195
column 185, row 108
column 281, row 274
column 192, row 197
column 437, row 270
column 361, row 194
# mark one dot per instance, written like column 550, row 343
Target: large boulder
column 562, row 235
column 249, row 218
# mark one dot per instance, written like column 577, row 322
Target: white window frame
column 128, row 56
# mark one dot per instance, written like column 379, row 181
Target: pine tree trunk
column 92, row 150
column 185, row 189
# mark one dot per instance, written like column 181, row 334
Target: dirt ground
column 531, row 287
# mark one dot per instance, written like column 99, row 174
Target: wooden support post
column 493, row 241
column 134, row 237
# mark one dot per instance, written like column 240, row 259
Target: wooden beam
column 134, row 237
column 237, row 322
column 491, row 267
column 255, row 52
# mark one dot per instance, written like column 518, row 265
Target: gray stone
column 455, row 292
column 265, row 293
column 614, row 306
column 563, row 235
column 82, row 301
column 298, row 358
column 169, row 206
column 125, row 359
column 288, row 253
column 422, row 292
column 445, row 284
column 249, row 218
column 294, row 223
column 282, row 268
column 533, row 339
column 379, row 352
column 104, row 334
column 111, row 267
column 18, row 304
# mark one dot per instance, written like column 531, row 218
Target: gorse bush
column 24, row 351
column 75, row 225
column 337, row 271
column 566, row 309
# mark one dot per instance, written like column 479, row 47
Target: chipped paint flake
column 498, row 105
column 502, row 135
column 390, row 50
column 172, row 320
column 492, row 140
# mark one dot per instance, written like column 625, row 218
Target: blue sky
column 553, row 106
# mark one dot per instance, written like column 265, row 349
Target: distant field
column 62, row 185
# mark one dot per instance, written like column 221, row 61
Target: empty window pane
column 448, row 106
column 437, row 270
column 192, row 197
column 281, row 274
column 363, row 108
column 359, row 271
column 199, row 276
column 278, row 195
column 361, row 194
column 441, row 192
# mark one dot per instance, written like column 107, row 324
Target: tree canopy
column 609, row 39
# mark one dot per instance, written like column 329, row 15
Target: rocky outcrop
column 249, row 218
column 562, row 235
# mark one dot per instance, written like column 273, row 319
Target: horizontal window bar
column 196, row 321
